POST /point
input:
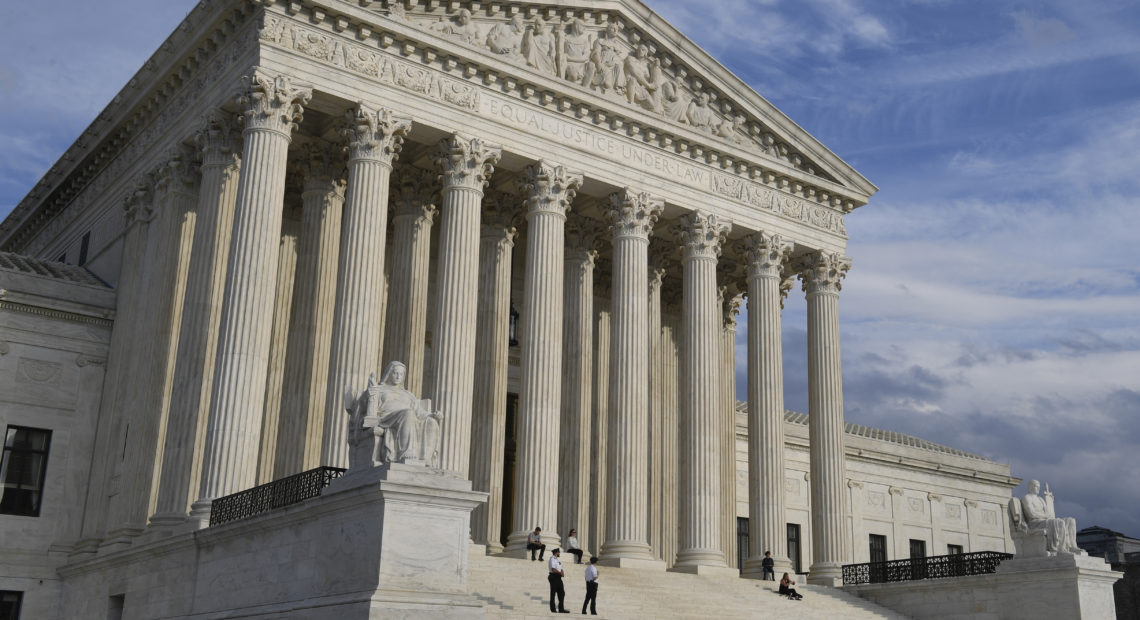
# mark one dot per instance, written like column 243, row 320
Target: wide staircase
column 512, row 588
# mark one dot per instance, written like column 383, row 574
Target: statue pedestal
column 1062, row 586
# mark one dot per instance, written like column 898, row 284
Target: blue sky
column 994, row 299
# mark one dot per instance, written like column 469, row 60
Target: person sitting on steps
column 534, row 543
column 786, row 588
column 572, row 546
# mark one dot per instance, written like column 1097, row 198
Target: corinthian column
column 626, row 541
column 271, row 106
column 303, row 395
column 220, row 144
column 467, row 164
column 702, row 236
column 656, row 435
column 577, row 375
column 731, row 299
column 822, row 274
column 550, row 189
column 407, row 305
column 766, row 256
column 492, row 341
column 375, row 138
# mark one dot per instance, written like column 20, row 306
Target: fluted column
column 550, row 189
column 282, row 309
column 626, row 541
column 577, row 375
column 492, row 341
column 467, row 164
column 731, row 300
column 220, row 144
column 670, row 413
column 599, row 424
column 766, row 256
column 822, row 274
column 406, row 320
column 271, row 106
column 656, row 436
column 303, row 395
column 702, row 236
column 375, row 138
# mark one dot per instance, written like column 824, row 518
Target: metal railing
column 272, row 495
column 934, row 567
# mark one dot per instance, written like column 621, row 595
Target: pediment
column 623, row 52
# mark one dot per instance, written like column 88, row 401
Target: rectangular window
column 794, row 546
column 22, row 470
column 954, row 549
column 10, row 604
column 878, row 548
column 84, row 247
column 917, row 548
column 741, row 541
column 115, row 607
column 917, row 559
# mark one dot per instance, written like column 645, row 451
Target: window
column 917, row 555
column 917, row 548
column 10, row 605
column 22, row 470
column 115, row 607
column 84, row 247
column 794, row 546
column 878, row 548
column 954, row 549
column 741, row 541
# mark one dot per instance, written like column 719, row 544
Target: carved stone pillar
column 599, row 422
column 731, row 299
column 220, row 144
column 492, row 341
column 766, row 256
column 655, row 445
column 271, row 107
column 627, row 538
column 822, row 275
column 304, row 394
column 702, row 236
column 407, row 304
column 375, row 138
column 282, row 309
column 670, row 410
column 467, row 164
column 549, row 189
column 577, row 375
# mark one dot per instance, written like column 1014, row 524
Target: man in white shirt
column 591, row 587
column 554, row 565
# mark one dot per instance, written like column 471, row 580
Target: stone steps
column 513, row 588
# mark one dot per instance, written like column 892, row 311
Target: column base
column 493, row 548
column 516, row 545
column 200, row 509
column 634, row 563
column 627, row 553
column 828, row 574
column 707, row 570
column 753, row 569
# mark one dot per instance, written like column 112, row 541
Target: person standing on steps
column 534, row 543
column 591, row 587
column 555, row 578
column 769, row 566
column 572, row 546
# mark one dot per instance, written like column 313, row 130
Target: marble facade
column 581, row 164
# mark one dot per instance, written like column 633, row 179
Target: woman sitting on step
column 786, row 588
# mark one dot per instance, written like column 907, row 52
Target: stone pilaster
column 304, row 396
column 375, row 138
column 407, row 305
column 822, row 274
column 766, row 256
column 271, row 105
column 549, row 190
column 492, row 341
column 220, row 143
column 282, row 309
column 731, row 299
column 633, row 216
column 702, row 236
column 467, row 164
column 577, row 375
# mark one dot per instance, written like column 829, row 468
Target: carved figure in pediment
column 640, row 86
column 460, row 27
column 507, row 38
column 574, row 45
column 538, row 47
column 699, row 114
column 603, row 72
column 732, row 129
column 674, row 100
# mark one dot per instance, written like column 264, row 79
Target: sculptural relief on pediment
column 600, row 52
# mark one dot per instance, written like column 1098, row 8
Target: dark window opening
column 794, row 547
column 954, row 549
column 878, row 548
column 22, row 470
column 10, row 604
column 741, row 541
column 84, row 246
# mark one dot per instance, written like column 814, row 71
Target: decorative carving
column 765, row 254
column 823, row 272
column 459, row 27
column 915, row 504
column 389, row 424
column 1035, row 528
column 272, row 103
column 320, row 167
column 502, row 211
column 219, row 139
column 876, row 499
column 731, row 301
column 582, row 233
column 538, row 47
column 467, row 162
column 414, row 195
column 633, row 214
column 138, row 205
column 702, row 234
column 179, row 173
column 374, row 134
column 854, row 484
column 82, row 360
column 792, row 487
column 604, row 66
column 506, row 38
column 933, row 497
column 574, row 46
column 953, row 511
column 38, row 371
column 549, row 188
column 895, row 491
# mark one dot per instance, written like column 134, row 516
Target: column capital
column 374, row 134
column 633, row 214
column 414, row 194
column 502, row 210
column 823, row 272
column 138, row 203
column 702, row 235
column 765, row 254
column 219, row 139
column 549, row 188
column 731, row 301
column 178, row 173
column 582, row 233
column 656, row 278
column 321, row 168
column 467, row 162
column 272, row 102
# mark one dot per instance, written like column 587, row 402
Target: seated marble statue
column 387, row 423
column 1036, row 530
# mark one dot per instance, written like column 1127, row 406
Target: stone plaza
column 512, row 240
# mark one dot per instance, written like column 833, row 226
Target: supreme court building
column 551, row 212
